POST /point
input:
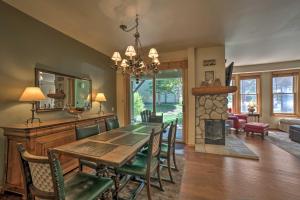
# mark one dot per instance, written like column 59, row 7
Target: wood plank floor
column 276, row 176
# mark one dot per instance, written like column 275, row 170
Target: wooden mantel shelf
column 204, row 90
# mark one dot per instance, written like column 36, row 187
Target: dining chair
column 84, row 132
column 43, row 178
column 146, row 166
column 145, row 115
column 156, row 118
column 168, row 149
column 112, row 123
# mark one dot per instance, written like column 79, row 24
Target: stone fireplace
column 211, row 113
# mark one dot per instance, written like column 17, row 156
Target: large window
column 283, row 94
column 230, row 98
column 248, row 93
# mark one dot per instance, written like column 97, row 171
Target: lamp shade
column 124, row 63
column 100, row 97
column 32, row 94
column 116, row 56
column 156, row 61
column 130, row 51
column 153, row 53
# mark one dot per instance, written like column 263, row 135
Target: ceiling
column 253, row 31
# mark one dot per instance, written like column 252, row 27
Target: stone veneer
column 209, row 107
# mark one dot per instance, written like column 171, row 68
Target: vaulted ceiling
column 253, row 31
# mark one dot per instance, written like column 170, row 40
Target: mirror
column 63, row 91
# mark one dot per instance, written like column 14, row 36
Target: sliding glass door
column 162, row 94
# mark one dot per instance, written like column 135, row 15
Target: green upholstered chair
column 145, row 115
column 156, row 119
column 168, row 149
column 112, row 123
column 43, row 178
column 144, row 166
column 84, row 132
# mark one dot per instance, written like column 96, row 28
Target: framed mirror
column 63, row 91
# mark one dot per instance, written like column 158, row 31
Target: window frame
column 234, row 101
column 258, row 91
column 295, row 86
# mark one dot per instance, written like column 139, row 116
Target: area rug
column 282, row 140
column 171, row 191
column 234, row 147
column 237, row 148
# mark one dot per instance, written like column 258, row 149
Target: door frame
column 182, row 65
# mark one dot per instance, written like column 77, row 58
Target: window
column 230, row 97
column 248, row 93
column 283, row 94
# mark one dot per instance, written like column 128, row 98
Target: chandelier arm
column 126, row 29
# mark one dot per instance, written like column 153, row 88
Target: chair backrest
column 172, row 134
column 37, row 175
column 112, row 123
column 87, row 131
column 57, row 174
column 145, row 115
column 154, row 146
column 156, row 119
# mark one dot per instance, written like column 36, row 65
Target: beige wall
column 266, row 74
column 24, row 42
column 217, row 53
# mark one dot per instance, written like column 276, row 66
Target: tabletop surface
column 113, row 148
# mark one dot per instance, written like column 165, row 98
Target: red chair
column 239, row 121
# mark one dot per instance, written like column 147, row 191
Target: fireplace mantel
column 204, row 90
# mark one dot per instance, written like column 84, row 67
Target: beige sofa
column 285, row 123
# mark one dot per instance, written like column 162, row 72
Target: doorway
column 162, row 94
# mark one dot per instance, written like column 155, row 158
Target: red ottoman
column 256, row 127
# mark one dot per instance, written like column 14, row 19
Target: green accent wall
column 24, row 42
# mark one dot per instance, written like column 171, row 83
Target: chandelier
column 134, row 64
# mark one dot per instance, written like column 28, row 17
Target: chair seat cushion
column 86, row 186
column 87, row 163
column 138, row 166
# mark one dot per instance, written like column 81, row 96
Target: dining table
column 112, row 148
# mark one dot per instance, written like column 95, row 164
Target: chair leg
column 148, row 187
column 117, row 186
column 159, row 179
column 174, row 160
column 80, row 167
column 169, row 169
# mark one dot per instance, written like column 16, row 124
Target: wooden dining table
column 111, row 148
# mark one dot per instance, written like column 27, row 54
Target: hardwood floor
column 276, row 176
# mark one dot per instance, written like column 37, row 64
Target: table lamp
column 32, row 95
column 100, row 97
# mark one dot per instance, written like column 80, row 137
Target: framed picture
column 209, row 76
column 210, row 62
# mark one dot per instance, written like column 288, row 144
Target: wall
column 217, row 53
column 24, row 42
column 266, row 74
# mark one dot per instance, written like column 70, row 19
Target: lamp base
column 31, row 120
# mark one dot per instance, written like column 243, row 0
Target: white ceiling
column 253, row 31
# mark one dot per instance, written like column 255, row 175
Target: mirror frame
column 36, row 74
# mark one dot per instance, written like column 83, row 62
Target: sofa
column 239, row 121
column 285, row 123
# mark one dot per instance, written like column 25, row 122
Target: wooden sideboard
column 37, row 138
